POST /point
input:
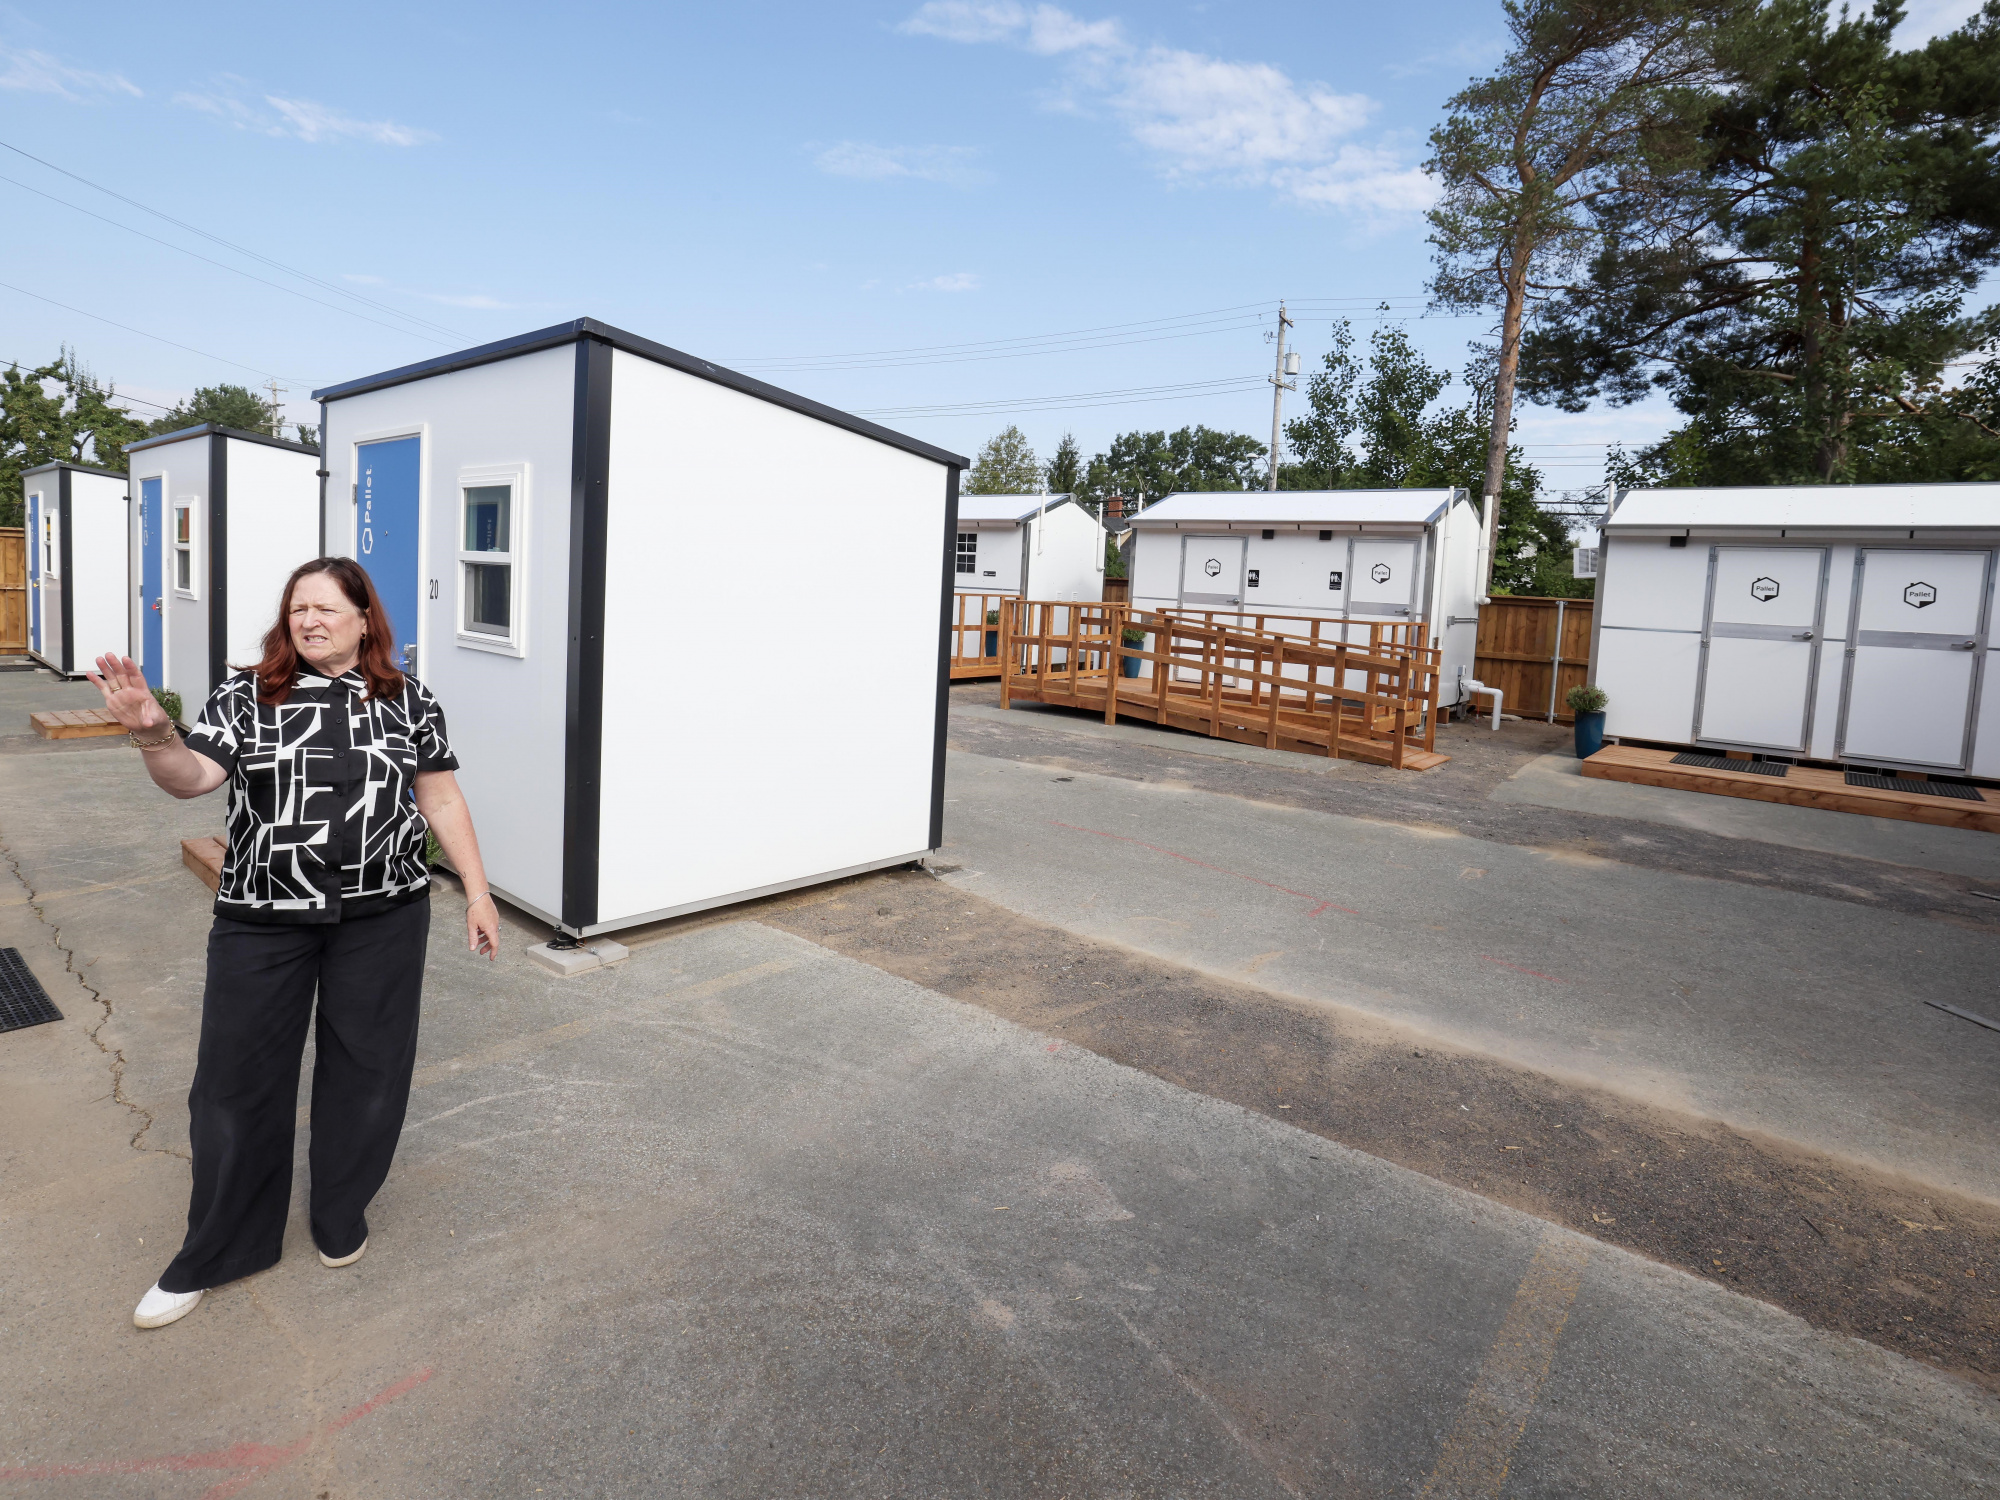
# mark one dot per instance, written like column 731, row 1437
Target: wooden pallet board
column 74, row 723
column 1802, row 786
column 204, row 857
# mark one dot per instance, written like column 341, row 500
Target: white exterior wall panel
column 184, row 627
column 504, row 712
column 998, row 555
column 728, row 765
column 100, row 565
column 272, row 504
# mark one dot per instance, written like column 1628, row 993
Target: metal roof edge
column 75, row 468
column 645, row 348
column 204, row 429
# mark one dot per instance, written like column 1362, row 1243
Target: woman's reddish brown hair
column 281, row 658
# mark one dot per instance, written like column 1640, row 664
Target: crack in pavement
column 32, row 900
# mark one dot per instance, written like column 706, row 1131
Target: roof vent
column 1268, row 533
column 1326, row 536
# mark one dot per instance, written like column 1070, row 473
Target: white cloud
column 1046, row 29
column 1924, row 19
column 297, row 119
column 38, row 73
column 1202, row 118
column 957, row 281
column 946, row 164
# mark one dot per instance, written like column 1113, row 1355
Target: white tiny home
column 1359, row 556
column 1031, row 546
column 79, row 573
column 1847, row 623
column 687, row 628
column 220, row 517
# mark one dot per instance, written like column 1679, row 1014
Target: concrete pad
column 1069, row 721
column 1558, row 781
column 1792, row 1015
column 567, row 963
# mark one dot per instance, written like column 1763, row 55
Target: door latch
column 1966, row 646
column 1803, row 635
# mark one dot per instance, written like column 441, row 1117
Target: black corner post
column 63, row 529
column 949, row 587
column 218, row 559
column 589, row 534
column 324, row 474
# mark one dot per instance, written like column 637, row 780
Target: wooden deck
column 74, row 723
column 204, row 857
column 969, row 634
column 1373, row 701
column 1801, row 786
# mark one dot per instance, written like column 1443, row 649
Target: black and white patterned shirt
column 322, row 821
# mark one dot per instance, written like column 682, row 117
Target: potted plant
column 992, row 632
column 1587, row 703
column 170, row 702
column 1132, row 635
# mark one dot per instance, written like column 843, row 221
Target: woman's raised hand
column 126, row 696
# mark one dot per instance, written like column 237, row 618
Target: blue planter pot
column 992, row 643
column 1589, row 734
column 1128, row 666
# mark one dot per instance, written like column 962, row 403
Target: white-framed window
column 968, row 552
column 492, row 534
column 180, row 547
column 51, row 548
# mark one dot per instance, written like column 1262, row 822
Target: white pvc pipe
column 1473, row 685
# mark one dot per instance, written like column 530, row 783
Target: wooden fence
column 1372, row 699
column 13, row 590
column 1534, row 650
column 972, row 635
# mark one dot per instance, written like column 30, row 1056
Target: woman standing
column 337, row 764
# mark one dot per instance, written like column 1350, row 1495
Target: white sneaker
column 157, row 1308
column 345, row 1260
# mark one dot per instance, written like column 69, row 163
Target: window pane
column 183, row 571
column 486, row 518
column 486, row 597
column 968, row 551
column 181, row 525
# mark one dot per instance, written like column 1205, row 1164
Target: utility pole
column 1279, row 385
column 276, row 390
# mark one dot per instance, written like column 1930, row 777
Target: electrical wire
column 324, row 285
column 1129, row 396
column 20, row 364
column 209, row 260
column 255, row 370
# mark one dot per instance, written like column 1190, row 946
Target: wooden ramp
column 971, row 632
column 74, row 723
column 1373, row 700
column 1800, row 786
column 204, row 857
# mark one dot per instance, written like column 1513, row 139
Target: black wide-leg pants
column 368, row 974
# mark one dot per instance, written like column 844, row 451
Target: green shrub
column 169, row 700
column 1134, row 636
column 1587, row 698
column 433, row 850
column 992, row 617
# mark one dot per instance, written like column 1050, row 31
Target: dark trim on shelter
column 583, row 710
column 63, row 463
column 631, row 343
column 324, row 474
column 950, row 592
column 218, row 555
column 68, row 573
column 216, row 427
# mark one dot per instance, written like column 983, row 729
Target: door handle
column 410, row 658
column 1803, row 635
column 1966, row 646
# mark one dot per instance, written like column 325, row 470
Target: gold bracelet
column 138, row 744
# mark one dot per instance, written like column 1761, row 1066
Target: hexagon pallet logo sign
column 1920, row 595
column 1764, row 590
column 1380, row 572
column 1212, row 567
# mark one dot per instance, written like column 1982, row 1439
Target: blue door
column 386, row 528
column 152, row 565
column 35, row 573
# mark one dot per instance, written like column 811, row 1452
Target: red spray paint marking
column 258, row 1458
column 1184, row 859
column 1519, row 970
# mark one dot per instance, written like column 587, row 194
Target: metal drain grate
column 1724, row 763
column 23, row 1001
column 1914, row 786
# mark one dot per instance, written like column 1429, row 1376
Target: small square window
column 486, row 517
column 488, row 563
column 968, row 552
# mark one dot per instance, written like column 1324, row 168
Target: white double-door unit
column 78, row 568
column 1031, row 546
column 219, row 519
column 1843, row 623
column 667, row 610
column 1352, row 558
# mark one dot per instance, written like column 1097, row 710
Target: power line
column 1130, row 395
column 337, row 290
column 254, row 369
column 208, row 260
column 19, row 364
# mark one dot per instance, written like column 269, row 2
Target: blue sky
column 889, row 207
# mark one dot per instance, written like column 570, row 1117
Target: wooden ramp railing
column 971, row 635
column 1371, row 698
